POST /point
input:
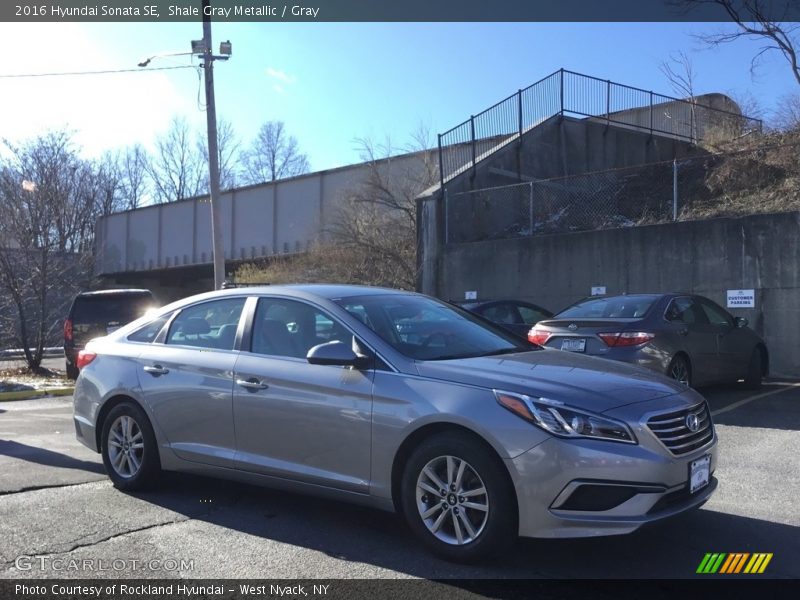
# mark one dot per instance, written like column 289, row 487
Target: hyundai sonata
column 397, row 401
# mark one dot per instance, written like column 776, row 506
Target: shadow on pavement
column 779, row 410
column 672, row 549
column 45, row 457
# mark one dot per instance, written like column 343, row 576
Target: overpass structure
column 564, row 124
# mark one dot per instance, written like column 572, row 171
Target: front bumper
column 655, row 486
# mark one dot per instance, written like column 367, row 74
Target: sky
column 333, row 83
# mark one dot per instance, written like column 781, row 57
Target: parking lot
column 60, row 516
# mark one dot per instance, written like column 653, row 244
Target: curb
column 31, row 394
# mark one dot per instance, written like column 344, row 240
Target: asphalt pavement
column 58, row 510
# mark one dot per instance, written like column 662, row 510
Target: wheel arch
column 419, row 435
column 106, row 408
column 685, row 356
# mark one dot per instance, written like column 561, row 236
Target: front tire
column 457, row 500
column 755, row 372
column 129, row 448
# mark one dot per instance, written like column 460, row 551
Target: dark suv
column 95, row 314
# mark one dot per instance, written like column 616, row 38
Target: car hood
column 594, row 384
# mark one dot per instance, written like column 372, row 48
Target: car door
column 698, row 337
column 308, row 423
column 733, row 347
column 187, row 380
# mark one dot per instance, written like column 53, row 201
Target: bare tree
column 787, row 113
column 378, row 219
column 679, row 71
column 133, row 169
column 773, row 22
column 177, row 169
column 274, row 154
column 48, row 201
column 228, row 146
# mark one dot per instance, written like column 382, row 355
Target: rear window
column 616, row 307
column 111, row 308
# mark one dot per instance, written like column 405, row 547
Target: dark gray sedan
column 687, row 337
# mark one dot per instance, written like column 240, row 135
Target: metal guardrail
column 574, row 94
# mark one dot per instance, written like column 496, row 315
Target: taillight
column 537, row 336
column 84, row 358
column 626, row 338
column 68, row 330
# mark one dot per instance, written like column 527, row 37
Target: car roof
column 116, row 292
column 324, row 290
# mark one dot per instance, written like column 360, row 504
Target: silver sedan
column 397, row 401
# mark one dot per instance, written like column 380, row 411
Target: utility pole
column 218, row 247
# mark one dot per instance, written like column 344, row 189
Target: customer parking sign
column 741, row 298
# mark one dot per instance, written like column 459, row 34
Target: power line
column 110, row 71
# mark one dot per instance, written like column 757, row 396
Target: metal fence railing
column 765, row 179
column 574, row 94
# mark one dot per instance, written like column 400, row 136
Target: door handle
column 156, row 370
column 252, row 384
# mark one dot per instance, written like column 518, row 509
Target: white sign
column 741, row 298
column 598, row 290
column 470, row 295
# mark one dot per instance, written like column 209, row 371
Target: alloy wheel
column 452, row 500
column 125, row 446
column 680, row 372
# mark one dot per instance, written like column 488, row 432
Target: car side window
column 685, row 310
column 149, row 332
column 715, row 314
column 208, row 325
column 530, row 315
column 502, row 313
column 291, row 328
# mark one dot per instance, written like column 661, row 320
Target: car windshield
column 615, row 307
column 425, row 329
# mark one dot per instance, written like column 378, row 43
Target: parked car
column 687, row 337
column 397, row 401
column 517, row 316
column 99, row 313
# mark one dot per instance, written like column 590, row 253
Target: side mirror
column 333, row 353
column 741, row 322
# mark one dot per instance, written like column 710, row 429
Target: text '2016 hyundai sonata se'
column 398, row 401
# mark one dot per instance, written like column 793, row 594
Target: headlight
column 556, row 418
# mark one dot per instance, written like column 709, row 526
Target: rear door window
column 685, row 310
column 208, row 325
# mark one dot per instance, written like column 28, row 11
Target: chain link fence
column 766, row 179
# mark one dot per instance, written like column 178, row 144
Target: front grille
column 673, row 431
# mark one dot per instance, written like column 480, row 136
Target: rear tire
column 72, row 371
column 680, row 370
column 129, row 448
column 476, row 516
column 755, row 371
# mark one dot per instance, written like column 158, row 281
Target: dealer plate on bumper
column 699, row 473
column 574, row 344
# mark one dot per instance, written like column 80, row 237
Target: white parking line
column 744, row 401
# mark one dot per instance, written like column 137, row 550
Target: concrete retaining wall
column 709, row 257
